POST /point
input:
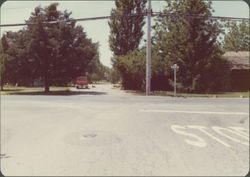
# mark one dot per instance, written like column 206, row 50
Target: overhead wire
column 154, row 14
column 172, row 15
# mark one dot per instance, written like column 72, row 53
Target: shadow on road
column 59, row 93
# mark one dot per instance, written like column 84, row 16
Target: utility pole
column 175, row 67
column 148, row 58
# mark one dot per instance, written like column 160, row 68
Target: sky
column 98, row 31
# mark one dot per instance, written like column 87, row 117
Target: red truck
column 81, row 82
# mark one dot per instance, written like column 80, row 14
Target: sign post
column 175, row 67
column 148, row 57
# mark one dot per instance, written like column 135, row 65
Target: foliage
column 2, row 64
column 17, row 66
column 3, row 59
column 114, row 76
column 126, row 23
column 192, row 44
column 99, row 72
column 54, row 52
column 238, row 37
column 132, row 70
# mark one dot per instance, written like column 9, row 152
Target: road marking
column 193, row 112
column 199, row 141
column 202, row 129
column 241, row 131
column 220, row 130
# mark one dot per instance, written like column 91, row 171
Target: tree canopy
column 238, row 37
column 192, row 44
column 54, row 52
column 2, row 61
column 132, row 69
column 126, row 23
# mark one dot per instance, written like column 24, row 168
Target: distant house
column 240, row 71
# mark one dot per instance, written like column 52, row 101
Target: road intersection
column 116, row 133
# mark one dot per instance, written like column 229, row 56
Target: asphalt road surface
column 102, row 131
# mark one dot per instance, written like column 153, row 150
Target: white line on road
column 203, row 129
column 181, row 130
column 193, row 112
column 196, row 140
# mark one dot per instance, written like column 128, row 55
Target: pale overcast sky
column 98, row 31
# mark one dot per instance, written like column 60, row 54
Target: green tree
column 55, row 52
column 2, row 68
column 126, row 24
column 114, row 76
column 238, row 37
column 192, row 43
column 132, row 70
column 98, row 72
column 2, row 64
column 3, row 59
column 19, row 67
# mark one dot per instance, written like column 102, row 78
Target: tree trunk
column 46, row 88
column 2, row 82
column 46, row 84
column 1, row 86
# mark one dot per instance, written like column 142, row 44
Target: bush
column 131, row 68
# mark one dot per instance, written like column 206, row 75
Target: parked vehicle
column 81, row 82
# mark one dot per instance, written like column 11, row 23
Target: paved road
column 108, row 132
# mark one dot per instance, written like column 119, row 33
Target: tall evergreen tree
column 188, row 37
column 126, row 24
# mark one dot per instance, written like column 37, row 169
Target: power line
column 174, row 15
column 58, row 21
column 154, row 14
column 71, row 20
